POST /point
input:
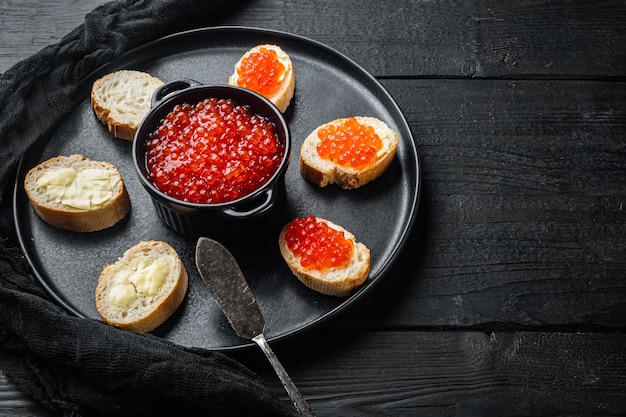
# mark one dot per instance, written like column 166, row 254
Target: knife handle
column 298, row 401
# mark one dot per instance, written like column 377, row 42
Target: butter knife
column 222, row 275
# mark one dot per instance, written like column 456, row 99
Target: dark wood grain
column 459, row 373
column 30, row 25
column 465, row 39
column 407, row 38
column 510, row 296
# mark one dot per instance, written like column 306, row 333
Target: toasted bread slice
column 122, row 99
column 333, row 281
column 143, row 288
column 282, row 95
column 77, row 194
column 324, row 171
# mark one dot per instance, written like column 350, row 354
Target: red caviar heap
column 211, row 152
column 261, row 72
column 318, row 245
column 349, row 144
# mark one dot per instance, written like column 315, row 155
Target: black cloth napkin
column 82, row 367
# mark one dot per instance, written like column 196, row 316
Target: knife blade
column 222, row 275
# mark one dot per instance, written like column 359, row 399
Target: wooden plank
column 480, row 38
column 513, row 228
column 30, row 25
column 426, row 39
column 457, row 373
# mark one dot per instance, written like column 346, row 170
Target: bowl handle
column 171, row 87
column 262, row 208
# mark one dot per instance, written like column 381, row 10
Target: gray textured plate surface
column 328, row 86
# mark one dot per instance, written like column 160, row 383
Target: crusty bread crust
column 323, row 172
column 283, row 95
column 121, row 100
column 144, row 314
column 70, row 218
column 339, row 282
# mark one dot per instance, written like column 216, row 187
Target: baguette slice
column 59, row 202
column 282, row 96
column 323, row 171
column 338, row 282
column 122, row 99
column 143, row 288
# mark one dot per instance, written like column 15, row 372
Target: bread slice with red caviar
column 121, row 100
column 323, row 171
column 143, row 288
column 279, row 90
column 336, row 281
column 77, row 194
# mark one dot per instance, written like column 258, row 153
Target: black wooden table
column 510, row 297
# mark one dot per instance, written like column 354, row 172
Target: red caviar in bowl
column 349, row 144
column 261, row 71
column 214, row 151
column 318, row 245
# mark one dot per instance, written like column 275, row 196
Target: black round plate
column 328, row 86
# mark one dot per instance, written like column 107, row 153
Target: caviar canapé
column 318, row 245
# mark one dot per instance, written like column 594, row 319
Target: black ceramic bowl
column 194, row 219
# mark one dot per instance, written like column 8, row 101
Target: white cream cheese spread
column 83, row 190
column 144, row 280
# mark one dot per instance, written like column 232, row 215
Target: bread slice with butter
column 121, row 100
column 323, row 171
column 336, row 281
column 77, row 194
column 283, row 92
column 143, row 288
